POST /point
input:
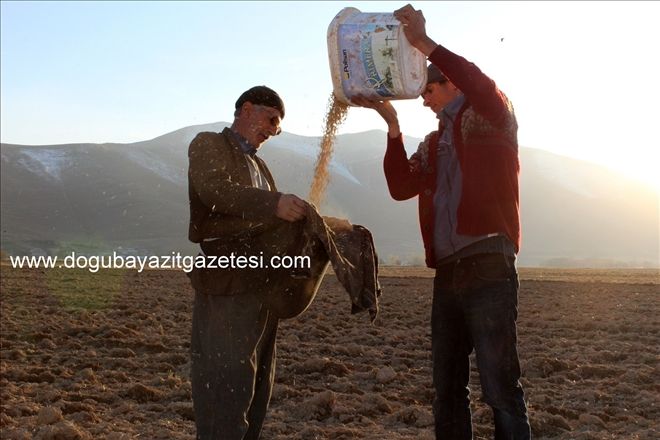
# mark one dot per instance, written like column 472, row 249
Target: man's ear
column 245, row 109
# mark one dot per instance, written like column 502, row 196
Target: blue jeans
column 475, row 306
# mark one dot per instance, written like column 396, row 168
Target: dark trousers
column 475, row 306
column 233, row 365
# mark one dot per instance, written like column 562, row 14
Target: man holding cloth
column 233, row 203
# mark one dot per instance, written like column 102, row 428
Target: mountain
column 133, row 198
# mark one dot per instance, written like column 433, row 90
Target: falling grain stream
column 335, row 115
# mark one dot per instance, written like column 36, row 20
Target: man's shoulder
column 430, row 140
column 474, row 123
column 208, row 140
column 208, row 136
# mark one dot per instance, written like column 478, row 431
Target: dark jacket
column 225, row 206
column 485, row 138
column 223, row 203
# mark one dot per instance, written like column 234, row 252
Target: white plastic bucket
column 370, row 55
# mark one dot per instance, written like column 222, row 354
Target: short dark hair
column 261, row 95
column 434, row 74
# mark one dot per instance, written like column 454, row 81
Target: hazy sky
column 583, row 77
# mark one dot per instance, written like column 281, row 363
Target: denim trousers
column 475, row 307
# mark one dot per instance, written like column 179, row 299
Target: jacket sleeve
column 211, row 178
column 479, row 89
column 402, row 181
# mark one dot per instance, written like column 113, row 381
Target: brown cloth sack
column 288, row 292
column 352, row 254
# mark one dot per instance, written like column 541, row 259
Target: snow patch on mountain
column 45, row 161
column 309, row 147
column 157, row 166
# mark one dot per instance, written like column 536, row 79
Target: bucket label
column 368, row 54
